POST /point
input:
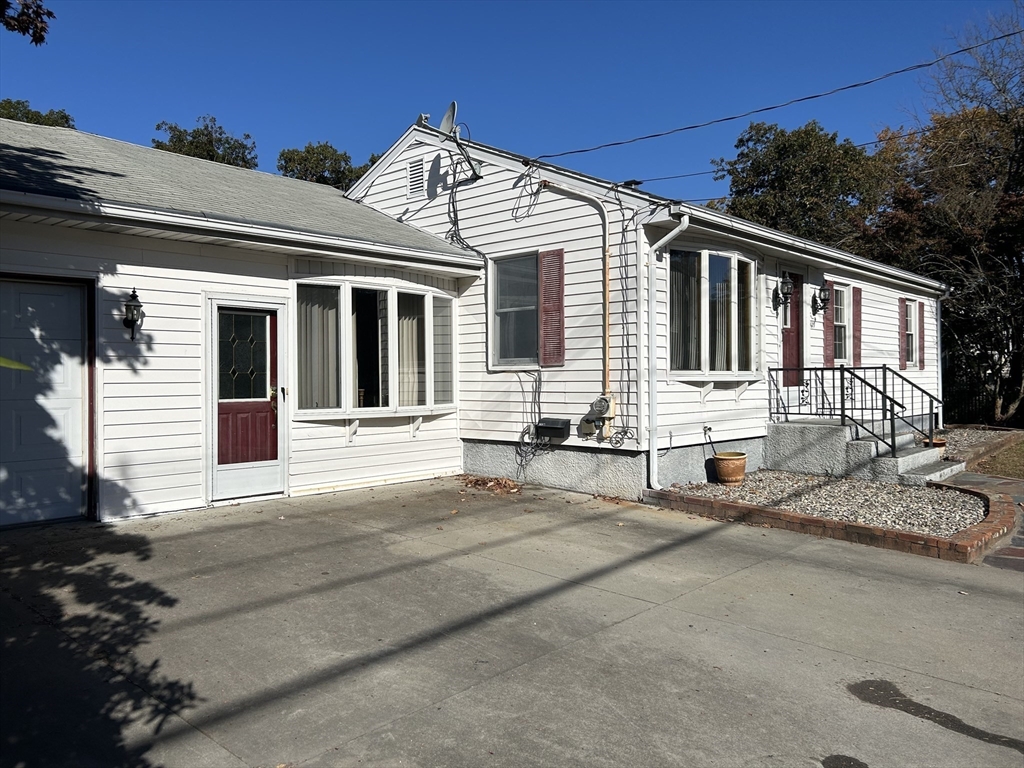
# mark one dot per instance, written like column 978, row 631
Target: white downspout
column 652, row 348
column 606, row 381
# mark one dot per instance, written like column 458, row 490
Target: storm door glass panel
column 412, row 350
column 839, row 325
column 318, row 346
column 720, row 312
column 516, row 309
column 370, row 348
column 745, row 314
column 444, row 392
column 243, row 364
column 684, row 311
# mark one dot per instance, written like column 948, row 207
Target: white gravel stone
column 933, row 511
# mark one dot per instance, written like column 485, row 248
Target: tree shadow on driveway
column 70, row 621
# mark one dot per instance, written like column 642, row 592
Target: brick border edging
column 966, row 546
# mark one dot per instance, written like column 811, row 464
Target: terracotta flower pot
column 731, row 467
column 937, row 442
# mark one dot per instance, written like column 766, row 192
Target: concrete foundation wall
column 610, row 473
column 810, row 449
column 694, row 464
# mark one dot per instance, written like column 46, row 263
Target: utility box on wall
column 553, row 428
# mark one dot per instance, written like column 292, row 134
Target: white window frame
column 705, row 372
column 347, row 395
column 516, row 364
column 910, row 333
column 846, row 325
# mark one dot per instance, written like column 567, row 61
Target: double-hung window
column 711, row 313
column 909, row 331
column 841, row 337
column 528, row 315
column 373, row 348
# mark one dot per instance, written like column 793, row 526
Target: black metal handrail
column 866, row 396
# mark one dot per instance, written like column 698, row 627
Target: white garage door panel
column 40, row 490
column 30, row 433
column 55, row 373
column 42, row 411
column 52, row 311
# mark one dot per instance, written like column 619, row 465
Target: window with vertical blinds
column 711, row 312
column 318, row 346
column 389, row 350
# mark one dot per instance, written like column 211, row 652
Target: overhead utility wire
column 840, row 89
column 708, row 173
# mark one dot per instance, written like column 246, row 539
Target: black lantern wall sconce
column 782, row 293
column 132, row 312
column 820, row 300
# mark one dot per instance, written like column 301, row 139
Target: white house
column 461, row 309
column 229, row 386
column 598, row 295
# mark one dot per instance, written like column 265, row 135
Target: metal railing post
column 887, row 402
column 842, row 395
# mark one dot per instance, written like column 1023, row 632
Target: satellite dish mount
column 450, row 130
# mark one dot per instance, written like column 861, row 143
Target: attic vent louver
column 417, row 186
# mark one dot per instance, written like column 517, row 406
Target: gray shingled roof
column 70, row 164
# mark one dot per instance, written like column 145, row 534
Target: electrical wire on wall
column 530, row 445
column 454, row 234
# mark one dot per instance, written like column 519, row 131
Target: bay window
column 364, row 348
column 711, row 312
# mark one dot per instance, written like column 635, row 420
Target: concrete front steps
column 825, row 447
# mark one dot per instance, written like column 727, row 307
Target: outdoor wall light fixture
column 782, row 293
column 820, row 300
column 132, row 312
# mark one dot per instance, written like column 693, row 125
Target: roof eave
column 284, row 240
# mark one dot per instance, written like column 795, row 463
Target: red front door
column 792, row 329
column 246, row 386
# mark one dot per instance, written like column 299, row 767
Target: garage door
column 42, row 410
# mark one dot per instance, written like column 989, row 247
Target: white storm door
column 248, row 450
column 42, row 410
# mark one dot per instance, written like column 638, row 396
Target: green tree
column 804, row 182
column 208, row 141
column 18, row 109
column 31, row 18
column 321, row 163
column 955, row 210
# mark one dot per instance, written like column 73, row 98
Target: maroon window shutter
column 830, row 330
column 551, row 266
column 856, row 327
column 920, row 335
column 903, row 334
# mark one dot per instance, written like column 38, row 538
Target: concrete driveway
column 378, row 628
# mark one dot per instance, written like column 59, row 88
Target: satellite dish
column 448, row 121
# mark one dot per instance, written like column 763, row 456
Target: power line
column 912, row 68
column 708, row 173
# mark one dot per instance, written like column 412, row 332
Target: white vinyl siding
column 151, row 415
column 505, row 215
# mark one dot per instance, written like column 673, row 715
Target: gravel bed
column 960, row 440
column 933, row 511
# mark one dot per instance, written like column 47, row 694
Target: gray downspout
column 652, row 347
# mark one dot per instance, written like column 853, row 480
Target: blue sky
column 530, row 77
